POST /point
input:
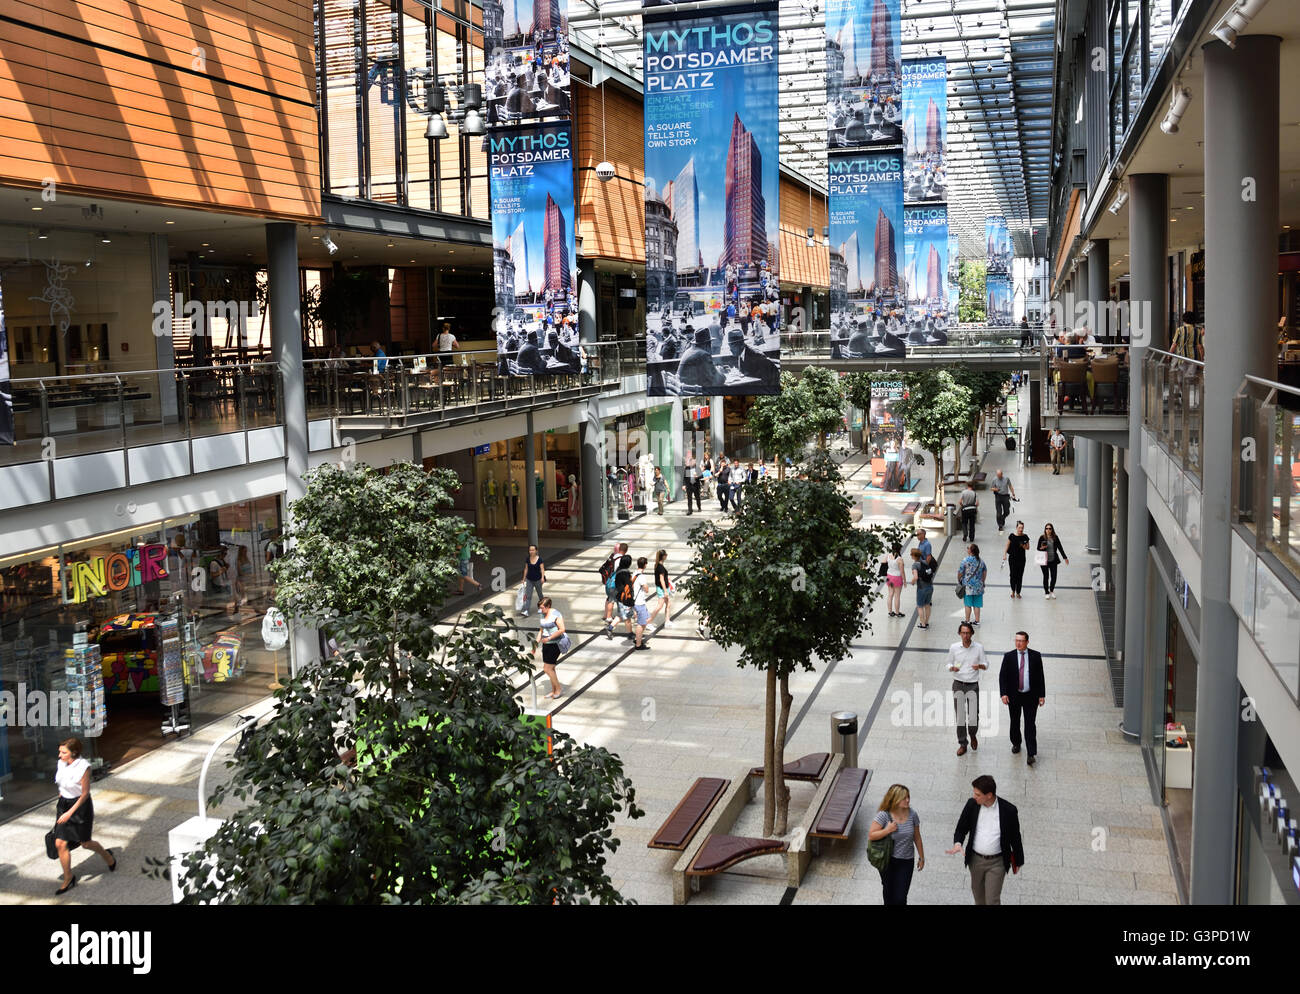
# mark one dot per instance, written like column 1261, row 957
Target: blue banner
column 954, row 276
column 712, row 202
column 866, row 221
column 864, row 74
column 535, row 267
column 526, row 75
column 997, row 245
column 925, row 130
column 999, row 301
column 926, row 279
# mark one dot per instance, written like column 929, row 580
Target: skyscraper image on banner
column 954, row 277
column 925, row 130
column 526, row 76
column 866, row 220
column 999, row 301
column 864, row 74
column 926, row 286
column 713, row 310
column 997, row 245
column 534, row 264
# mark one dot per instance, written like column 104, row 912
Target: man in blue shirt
column 923, row 544
column 381, row 357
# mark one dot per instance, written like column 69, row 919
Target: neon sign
column 104, row 574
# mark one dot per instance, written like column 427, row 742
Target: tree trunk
column 769, row 755
column 780, row 468
column 782, row 791
column 937, row 456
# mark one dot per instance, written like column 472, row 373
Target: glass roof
column 999, row 54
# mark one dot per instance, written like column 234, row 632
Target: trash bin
column 844, row 736
column 950, row 519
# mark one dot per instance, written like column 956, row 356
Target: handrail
column 1174, row 355
column 172, row 370
column 1271, row 384
column 207, row 761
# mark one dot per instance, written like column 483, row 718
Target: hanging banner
column 530, row 176
column 998, row 245
column 954, row 276
column 999, row 301
column 864, row 74
column 866, row 215
column 526, row 76
column 6, row 393
column 925, row 130
column 926, row 232
column 713, row 308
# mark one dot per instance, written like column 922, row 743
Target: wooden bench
column 809, row 769
column 979, row 480
column 676, row 833
column 722, row 852
column 910, row 508
column 837, row 814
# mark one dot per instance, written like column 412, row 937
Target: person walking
column 1056, row 443
column 75, row 813
column 534, row 577
column 466, row 554
column 1015, row 551
column 969, row 503
column 664, row 588
column 692, row 473
column 896, row 818
column 989, row 830
column 972, row 572
column 659, row 488
column 1049, row 556
column 724, row 483
column 1003, row 494
column 640, row 604
column 894, row 581
column 1026, row 336
column 446, row 342
column 618, row 560
column 1024, row 691
column 965, row 661
column 923, row 580
column 552, row 642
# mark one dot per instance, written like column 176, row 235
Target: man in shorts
column 642, row 589
column 622, row 561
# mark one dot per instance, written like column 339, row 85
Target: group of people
column 549, row 346
column 730, row 478
column 724, row 351
column 875, row 116
column 518, row 87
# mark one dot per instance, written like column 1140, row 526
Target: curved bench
column 809, row 769
column 721, row 852
column 676, row 833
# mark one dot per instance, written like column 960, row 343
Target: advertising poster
column 526, row 77
column 713, row 304
column 864, row 74
column 925, row 130
column 954, row 276
column 999, row 301
column 535, row 267
column 925, row 230
column 6, row 393
column 866, row 215
column 998, row 245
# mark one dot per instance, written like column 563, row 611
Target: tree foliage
column 985, row 388
column 787, row 583
column 935, row 408
column 808, row 407
column 401, row 770
column 972, row 300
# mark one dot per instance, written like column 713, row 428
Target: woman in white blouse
column 76, row 813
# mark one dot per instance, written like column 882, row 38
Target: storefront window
column 500, row 475
column 193, row 589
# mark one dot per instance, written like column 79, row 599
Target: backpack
column 924, row 572
column 623, row 592
column 607, row 570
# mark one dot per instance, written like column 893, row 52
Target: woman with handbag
column 894, row 836
column 552, row 642
column 75, row 815
column 971, row 574
column 1049, row 555
column 533, row 579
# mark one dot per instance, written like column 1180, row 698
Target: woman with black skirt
column 76, row 812
column 1017, row 544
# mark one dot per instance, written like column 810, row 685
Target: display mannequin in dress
column 491, row 497
column 575, row 500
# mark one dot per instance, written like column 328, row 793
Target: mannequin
column 512, row 501
column 541, row 499
column 575, row 501
column 491, row 493
column 644, row 476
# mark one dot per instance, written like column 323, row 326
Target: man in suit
column 1023, row 689
column 993, row 826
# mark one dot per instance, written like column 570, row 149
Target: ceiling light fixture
column 329, row 243
column 1178, row 104
column 1235, row 20
column 1120, row 200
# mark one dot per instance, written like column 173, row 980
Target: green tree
column 986, row 387
column 401, row 770
column 934, row 408
column 972, row 302
column 786, row 583
column 807, row 408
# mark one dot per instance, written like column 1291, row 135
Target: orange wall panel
column 612, row 213
column 116, row 103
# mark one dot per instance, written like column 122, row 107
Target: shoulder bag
column 880, row 852
column 960, row 590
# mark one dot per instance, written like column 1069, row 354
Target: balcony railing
column 60, row 416
column 1173, row 405
column 1087, row 379
column 459, row 384
column 974, row 338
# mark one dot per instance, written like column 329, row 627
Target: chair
column 1105, row 374
column 1072, row 380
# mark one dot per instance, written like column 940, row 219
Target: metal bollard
column 844, row 737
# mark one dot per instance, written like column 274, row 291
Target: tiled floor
column 684, row 709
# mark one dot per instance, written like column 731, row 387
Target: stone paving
column 684, row 709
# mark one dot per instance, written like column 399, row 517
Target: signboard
column 557, row 515
column 864, row 74
column 275, row 630
column 925, row 130
column 866, row 222
column 526, row 77
column 999, row 301
column 925, row 230
column 997, row 245
column 98, row 575
column 712, row 201
column 535, row 265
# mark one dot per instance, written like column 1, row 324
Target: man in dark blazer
column 993, row 827
column 1023, row 688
